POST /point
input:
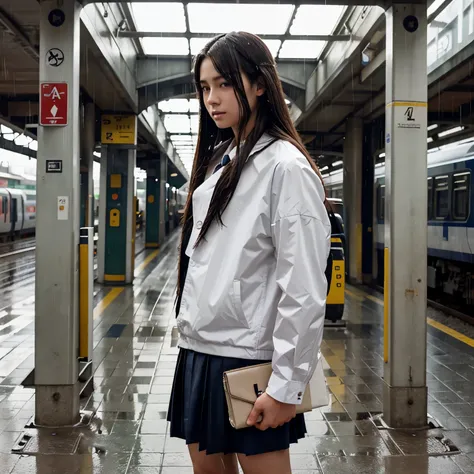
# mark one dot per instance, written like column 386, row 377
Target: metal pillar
column 116, row 222
column 152, row 230
column 57, row 227
column 87, row 164
column 352, row 186
column 367, row 205
column 163, row 194
column 405, row 392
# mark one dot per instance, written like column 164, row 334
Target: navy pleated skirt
column 198, row 410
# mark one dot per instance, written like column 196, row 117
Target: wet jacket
column 256, row 288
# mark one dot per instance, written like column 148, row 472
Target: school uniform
column 255, row 290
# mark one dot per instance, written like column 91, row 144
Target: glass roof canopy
column 291, row 32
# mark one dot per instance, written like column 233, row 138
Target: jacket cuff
column 286, row 391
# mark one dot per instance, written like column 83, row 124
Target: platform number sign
column 118, row 129
column 409, row 114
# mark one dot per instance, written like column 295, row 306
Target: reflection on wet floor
column 134, row 358
column 17, row 273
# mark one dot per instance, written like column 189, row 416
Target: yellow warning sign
column 118, row 129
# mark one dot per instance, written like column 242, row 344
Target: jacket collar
column 223, row 147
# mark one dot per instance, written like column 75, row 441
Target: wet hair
column 232, row 54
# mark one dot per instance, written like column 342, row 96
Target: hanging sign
column 53, row 103
column 118, row 129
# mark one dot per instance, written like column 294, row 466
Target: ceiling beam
column 460, row 88
column 157, row 34
column 10, row 25
column 380, row 3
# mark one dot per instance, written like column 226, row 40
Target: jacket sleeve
column 301, row 234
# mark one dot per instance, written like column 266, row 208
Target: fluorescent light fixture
column 324, row 168
column 450, row 131
column 173, row 175
column 433, row 126
column 379, row 165
column 337, row 163
column 429, row 139
column 382, row 155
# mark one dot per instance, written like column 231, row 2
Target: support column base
column 405, row 407
column 57, row 405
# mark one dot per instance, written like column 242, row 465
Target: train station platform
column 134, row 358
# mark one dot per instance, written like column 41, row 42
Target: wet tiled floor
column 134, row 357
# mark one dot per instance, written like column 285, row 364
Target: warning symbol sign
column 53, row 103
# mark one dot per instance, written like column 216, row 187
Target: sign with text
column 118, row 129
column 53, row 103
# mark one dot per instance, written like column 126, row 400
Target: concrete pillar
column 163, row 194
column 405, row 392
column 352, row 184
column 117, row 214
column 57, row 224
column 153, row 184
column 87, row 165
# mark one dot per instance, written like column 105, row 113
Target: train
column 450, row 245
column 17, row 211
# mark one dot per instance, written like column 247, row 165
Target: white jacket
column 256, row 288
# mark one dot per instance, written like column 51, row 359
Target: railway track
column 18, row 262
column 18, row 247
column 444, row 308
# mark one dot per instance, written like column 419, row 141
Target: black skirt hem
column 198, row 410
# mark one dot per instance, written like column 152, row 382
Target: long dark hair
column 231, row 54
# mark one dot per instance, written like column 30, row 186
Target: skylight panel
column 255, row 18
column 183, row 138
column 194, row 123
column 273, row 46
column 177, row 123
column 316, row 19
column 301, row 49
column 166, row 46
column 197, row 44
column 194, row 105
column 159, row 17
column 174, row 105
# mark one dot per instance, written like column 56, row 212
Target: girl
column 251, row 283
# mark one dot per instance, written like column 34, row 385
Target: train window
column 461, row 188
column 441, row 196
column 381, row 203
column 430, row 199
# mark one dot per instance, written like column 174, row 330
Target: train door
column 14, row 214
column 21, row 212
column 4, row 212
